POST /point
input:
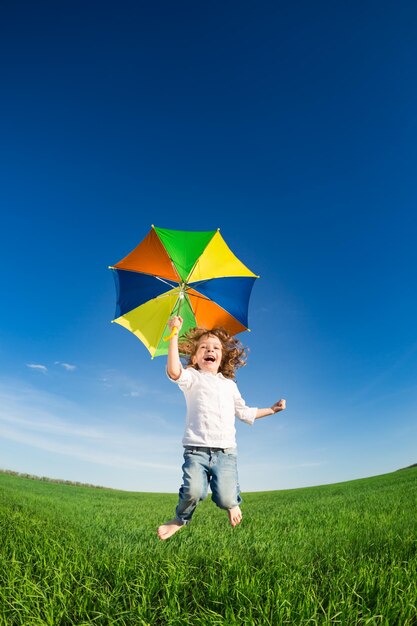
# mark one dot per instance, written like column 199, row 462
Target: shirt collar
column 218, row 375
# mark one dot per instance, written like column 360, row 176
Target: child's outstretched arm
column 174, row 363
column 278, row 406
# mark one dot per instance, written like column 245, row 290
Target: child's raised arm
column 278, row 406
column 174, row 363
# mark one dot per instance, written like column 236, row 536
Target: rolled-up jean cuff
column 182, row 522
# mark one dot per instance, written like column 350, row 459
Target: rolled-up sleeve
column 242, row 411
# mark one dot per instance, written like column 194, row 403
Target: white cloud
column 66, row 366
column 96, row 455
column 37, row 366
column 55, row 425
column 125, row 385
column 277, row 467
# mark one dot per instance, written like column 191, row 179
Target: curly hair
column 234, row 355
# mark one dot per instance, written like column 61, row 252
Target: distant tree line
column 74, row 483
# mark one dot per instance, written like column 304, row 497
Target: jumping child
column 213, row 400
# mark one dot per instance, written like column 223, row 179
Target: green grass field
column 337, row 554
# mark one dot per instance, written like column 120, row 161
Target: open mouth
column 209, row 359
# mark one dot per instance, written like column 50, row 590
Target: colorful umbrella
column 177, row 272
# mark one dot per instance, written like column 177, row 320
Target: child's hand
column 175, row 322
column 279, row 406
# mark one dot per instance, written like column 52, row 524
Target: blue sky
column 292, row 128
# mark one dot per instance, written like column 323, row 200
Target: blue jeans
column 202, row 467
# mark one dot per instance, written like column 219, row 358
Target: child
column 213, row 400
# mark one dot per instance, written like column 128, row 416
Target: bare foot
column 170, row 528
column 235, row 516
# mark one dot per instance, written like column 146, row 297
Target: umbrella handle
column 174, row 332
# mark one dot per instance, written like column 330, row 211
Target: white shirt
column 213, row 402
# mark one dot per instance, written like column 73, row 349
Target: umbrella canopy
column 177, row 272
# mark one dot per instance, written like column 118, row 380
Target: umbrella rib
column 199, row 282
column 163, row 281
column 187, row 300
column 197, row 295
column 205, row 248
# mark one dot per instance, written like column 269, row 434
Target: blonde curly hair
column 234, row 355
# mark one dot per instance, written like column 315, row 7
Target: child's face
column 208, row 356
